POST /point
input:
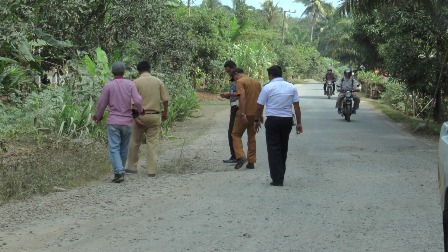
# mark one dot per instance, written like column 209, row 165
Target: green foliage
column 336, row 41
column 396, row 95
column 183, row 101
column 253, row 59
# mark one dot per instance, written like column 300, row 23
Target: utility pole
column 283, row 28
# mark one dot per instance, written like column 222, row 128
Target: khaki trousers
column 151, row 131
column 238, row 130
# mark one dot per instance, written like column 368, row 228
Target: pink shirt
column 117, row 94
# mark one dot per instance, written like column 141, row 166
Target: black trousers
column 277, row 137
column 233, row 111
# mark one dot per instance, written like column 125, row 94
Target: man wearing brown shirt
column 248, row 90
column 153, row 92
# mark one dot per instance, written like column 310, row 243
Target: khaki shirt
column 251, row 88
column 152, row 90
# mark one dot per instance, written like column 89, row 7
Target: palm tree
column 316, row 10
column 269, row 11
column 211, row 4
column 240, row 7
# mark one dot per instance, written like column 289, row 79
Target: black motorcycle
column 347, row 105
column 329, row 88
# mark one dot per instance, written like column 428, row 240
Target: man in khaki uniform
column 153, row 92
column 248, row 90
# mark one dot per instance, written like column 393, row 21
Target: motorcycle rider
column 348, row 82
column 331, row 77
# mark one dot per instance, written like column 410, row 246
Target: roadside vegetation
column 55, row 56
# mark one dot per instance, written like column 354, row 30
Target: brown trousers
column 238, row 130
column 152, row 123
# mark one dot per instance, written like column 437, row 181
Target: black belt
column 150, row 112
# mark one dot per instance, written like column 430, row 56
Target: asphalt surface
column 363, row 185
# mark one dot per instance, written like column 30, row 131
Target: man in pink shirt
column 117, row 94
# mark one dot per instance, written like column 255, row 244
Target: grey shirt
column 233, row 99
column 348, row 84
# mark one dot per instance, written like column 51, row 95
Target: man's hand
column 257, row 126
column 164, row 116
column 299, row 129
column 225, row 95
column 244, row 118
column 95, row 119
column 139, row 123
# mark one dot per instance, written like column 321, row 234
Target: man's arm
column 165, row 111
column 298, row 113
column 258, row 117
column 137, row 98
column 164, row 97
column 242, row 102
column 228, row 95
column 102, row 104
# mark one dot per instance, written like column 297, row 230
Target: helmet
column 347, row 73
column 329, row 70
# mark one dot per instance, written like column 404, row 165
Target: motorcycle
column 347, row 105
column 329, row 89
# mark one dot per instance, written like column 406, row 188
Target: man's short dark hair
column 143, row 66
column 236, row 71
column 275, row 71
column 229, row 64
column 118, row 68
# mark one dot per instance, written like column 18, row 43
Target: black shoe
column 240, row 162
column 230, row 161
column 353, row 111
column 118, row 178
column 131, row 171
column 250, row 166
column 339, row 111
column 277, row 184
column 151, row 175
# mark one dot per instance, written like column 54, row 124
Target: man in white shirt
column 277, row 96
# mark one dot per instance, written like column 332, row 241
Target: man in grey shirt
column 233, row 97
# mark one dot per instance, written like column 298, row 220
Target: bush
column 183, row 100
column 371, row 83
column 395, row 95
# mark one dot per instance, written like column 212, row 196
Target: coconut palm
column 270, row 11
column 316, row 10
column 212, row 4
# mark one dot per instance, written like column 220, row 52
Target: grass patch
column 54, row 164
column 416, row 126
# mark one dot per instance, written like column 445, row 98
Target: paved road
column 359, row 186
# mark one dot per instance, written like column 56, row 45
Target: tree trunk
column 438, row 106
